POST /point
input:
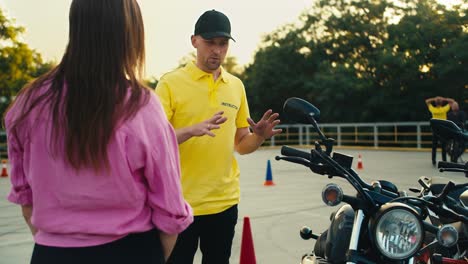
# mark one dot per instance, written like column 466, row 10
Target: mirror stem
column 315, row 125
column 328, row 142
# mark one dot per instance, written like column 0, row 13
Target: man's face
column 210, row 52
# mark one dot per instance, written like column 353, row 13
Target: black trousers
column 134, row 248
column 435, row 143
column 215, row 233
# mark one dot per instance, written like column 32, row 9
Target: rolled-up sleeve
column 20, row 190
column 171, row 213
column 157, row 154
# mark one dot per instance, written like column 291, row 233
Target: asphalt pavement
column 276, row 213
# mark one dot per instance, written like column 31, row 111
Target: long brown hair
column 89, row 95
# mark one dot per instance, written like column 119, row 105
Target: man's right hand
column 205, row 127
column 202, row 128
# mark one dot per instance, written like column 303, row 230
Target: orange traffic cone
column 4, row 169
column 247, row 253
column 269, row 175
column 359, row 163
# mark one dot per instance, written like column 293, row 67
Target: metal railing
column 416, row 135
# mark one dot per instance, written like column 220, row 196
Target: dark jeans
column 215, row 233
column 134, row 248
column 435, row 141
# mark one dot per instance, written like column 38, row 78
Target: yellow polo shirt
column 439, row 112
column 210, row 174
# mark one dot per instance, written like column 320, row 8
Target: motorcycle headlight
column 398, row 231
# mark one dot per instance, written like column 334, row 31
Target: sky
column 168, row 26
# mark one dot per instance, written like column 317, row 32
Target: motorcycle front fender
column 339, row 234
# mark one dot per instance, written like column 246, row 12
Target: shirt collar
column 197, row 73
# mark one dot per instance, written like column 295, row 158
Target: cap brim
column 211, row 35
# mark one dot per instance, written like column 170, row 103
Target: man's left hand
column 265, row 126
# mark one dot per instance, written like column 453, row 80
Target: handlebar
column 324, row 167
column 457, row 211
column 301, row 157
column 439, row 210
column 320, row 162
column 457, row 207
column 306, row 159
column 292, row 152
column 451, row 165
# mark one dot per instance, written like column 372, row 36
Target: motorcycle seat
column 448, row 130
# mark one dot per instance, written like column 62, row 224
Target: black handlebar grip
column 292, row 152
column 451, row 165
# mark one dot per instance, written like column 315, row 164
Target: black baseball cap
column 212, row 24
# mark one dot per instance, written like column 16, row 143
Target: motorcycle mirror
column 300, row 111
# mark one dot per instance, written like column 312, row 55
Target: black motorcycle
column 374, row 226
column 447, row 202
column 454, row 138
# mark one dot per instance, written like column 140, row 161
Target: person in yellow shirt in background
column 438, row 106
column 208, row 108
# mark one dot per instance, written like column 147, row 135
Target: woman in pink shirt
column 94, row 161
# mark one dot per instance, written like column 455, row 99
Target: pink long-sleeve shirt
column 76, row 208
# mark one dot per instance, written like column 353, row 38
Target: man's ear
column 194, row 39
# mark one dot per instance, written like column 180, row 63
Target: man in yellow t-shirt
column 208, row 108
column 439, row 111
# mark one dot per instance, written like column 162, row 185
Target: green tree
column 427, row 57
column 18, row 63
column 366, row 60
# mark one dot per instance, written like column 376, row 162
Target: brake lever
column 414, row 190
column 316, row 168
column 453, row 170
column 294, row 160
